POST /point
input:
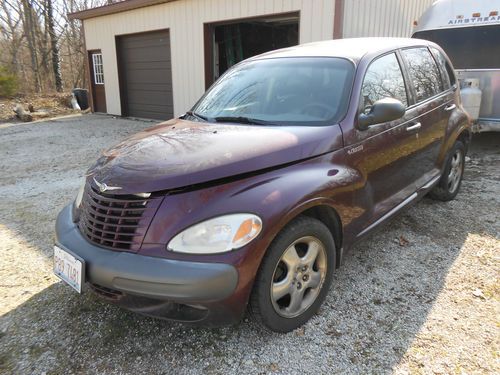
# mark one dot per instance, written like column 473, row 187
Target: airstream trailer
column 469, row 32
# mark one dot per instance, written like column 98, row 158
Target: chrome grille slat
column 113, row 232
column 108, row 216
column 114, row 221
column 103, row 207
column 109, row 224
column 108, row 198
column 105, row 239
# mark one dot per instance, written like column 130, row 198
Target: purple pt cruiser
column 249, row 201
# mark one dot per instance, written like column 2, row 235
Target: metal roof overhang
column 118, row 7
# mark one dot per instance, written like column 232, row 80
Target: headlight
column 79, row 196
column 217, row 235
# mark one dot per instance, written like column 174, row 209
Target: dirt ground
column 422, row 296
column 56, row 104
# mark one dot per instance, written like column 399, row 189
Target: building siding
column 185, row 20
column 394, row 18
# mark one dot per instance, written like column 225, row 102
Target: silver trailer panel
column 469, row 32
column 489, row 82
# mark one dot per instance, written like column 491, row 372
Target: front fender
column 276, row 196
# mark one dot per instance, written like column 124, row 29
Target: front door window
column 383, row 79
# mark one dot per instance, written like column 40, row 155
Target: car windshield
column 280, row 91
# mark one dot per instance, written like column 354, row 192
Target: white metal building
column 155, row 58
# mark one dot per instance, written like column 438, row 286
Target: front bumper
column 153, row 286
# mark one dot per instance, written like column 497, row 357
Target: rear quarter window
column 447, row 74
column 423, row 72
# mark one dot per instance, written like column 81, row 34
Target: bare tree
column 29, row 31
column 41, row 46
column 10, row 18
column 56, row 68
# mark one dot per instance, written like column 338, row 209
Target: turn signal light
column 494, row 13
column 247, row 230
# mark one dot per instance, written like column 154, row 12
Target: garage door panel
column 153, row 87
column 146, row 75
column 154, row 112
column 138, row 97
column 138, row 65
column 146, row 44
column 146, row 55
column 151, row 107
column 157, row 37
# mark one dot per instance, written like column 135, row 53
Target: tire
column 449, row 184
column 291, row 266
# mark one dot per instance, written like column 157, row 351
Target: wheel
column 294, row 276
column 449, row 184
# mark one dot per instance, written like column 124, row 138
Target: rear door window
column 423, row 72
column 446, row 71
column 383, row 79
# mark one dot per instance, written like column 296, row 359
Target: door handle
column 450, row 107
column 415, row 126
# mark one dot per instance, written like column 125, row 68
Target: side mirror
column 383, row 110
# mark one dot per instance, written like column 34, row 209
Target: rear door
column 385, row 154
column 433, row 103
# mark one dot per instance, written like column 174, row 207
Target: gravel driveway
column 420, row 296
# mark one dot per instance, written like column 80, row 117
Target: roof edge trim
column 113, row 8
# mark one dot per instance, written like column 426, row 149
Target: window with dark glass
column 441, row 61
column 383, row 79
column 423, row 72
column 468, row 47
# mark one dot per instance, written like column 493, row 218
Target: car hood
column 180, row 153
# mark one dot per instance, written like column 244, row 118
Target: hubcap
column 298, row 277
column 455, row 171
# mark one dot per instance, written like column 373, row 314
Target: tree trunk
column 30, row 36
column 54, row 47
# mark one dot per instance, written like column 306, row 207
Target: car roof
column 351, row 48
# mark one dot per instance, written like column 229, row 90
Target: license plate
column 68, row 268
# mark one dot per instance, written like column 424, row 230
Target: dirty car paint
column 180, row 153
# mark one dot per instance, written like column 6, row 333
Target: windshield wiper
column 241, row 120
column 198, row 116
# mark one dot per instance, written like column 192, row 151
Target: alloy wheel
column 298, row 277
column 455, row 174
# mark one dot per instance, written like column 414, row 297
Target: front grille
column 116, row 221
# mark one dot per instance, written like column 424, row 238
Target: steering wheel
column 316, row 109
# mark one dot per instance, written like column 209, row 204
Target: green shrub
column 8, row 83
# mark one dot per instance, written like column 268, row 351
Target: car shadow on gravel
column 379, row 301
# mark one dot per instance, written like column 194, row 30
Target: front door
column 97, row 81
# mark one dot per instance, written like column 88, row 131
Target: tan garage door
column 146, row 75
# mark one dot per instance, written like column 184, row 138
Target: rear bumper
column 153, row 286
